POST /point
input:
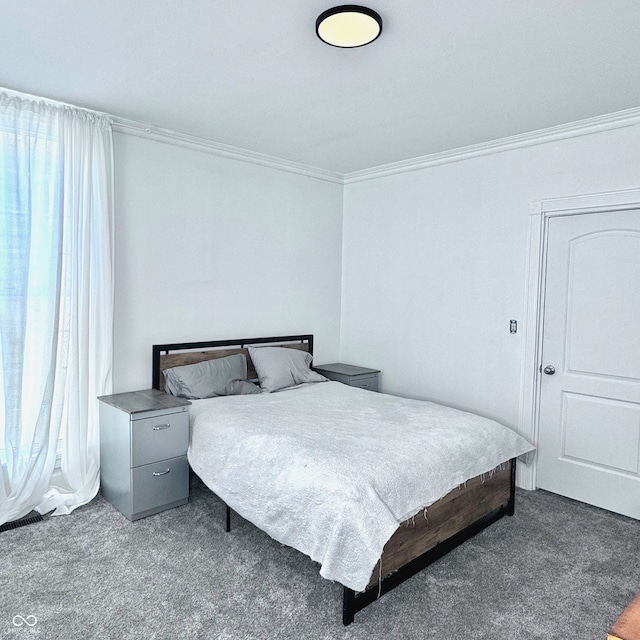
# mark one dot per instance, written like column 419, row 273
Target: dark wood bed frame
column 418, row 541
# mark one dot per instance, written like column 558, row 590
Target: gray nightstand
column 350, row 374
column 144, row 437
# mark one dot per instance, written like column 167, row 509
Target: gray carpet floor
column 557, row 569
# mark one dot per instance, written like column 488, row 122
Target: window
column 30, row 245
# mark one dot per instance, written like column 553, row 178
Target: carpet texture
column 558, row 568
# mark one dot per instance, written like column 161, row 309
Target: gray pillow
column 281, row 367
column 241, row 388
column 210, row 378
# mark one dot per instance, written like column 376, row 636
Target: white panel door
column 589, row 433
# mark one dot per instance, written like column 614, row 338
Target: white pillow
column 282, row 367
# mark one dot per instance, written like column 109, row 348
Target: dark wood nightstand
column 349, row 374
column 627, row 627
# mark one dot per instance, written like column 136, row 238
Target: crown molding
column 617, row 120
column 142, row 130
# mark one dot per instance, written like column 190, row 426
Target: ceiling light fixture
column 348, row 26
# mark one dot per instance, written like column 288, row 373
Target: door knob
column 549, row 370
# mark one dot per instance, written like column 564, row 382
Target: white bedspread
column 332, row 470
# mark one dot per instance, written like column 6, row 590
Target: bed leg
column 511, row 507
column 227, row 526
column 348, row 599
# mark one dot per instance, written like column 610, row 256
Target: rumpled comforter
column 332, row 470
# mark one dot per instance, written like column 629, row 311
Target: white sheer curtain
column 56, row 302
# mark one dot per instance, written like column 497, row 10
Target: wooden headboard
column 166, row 356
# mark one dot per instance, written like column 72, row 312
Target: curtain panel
column 56, row 302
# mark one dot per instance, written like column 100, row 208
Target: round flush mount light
column 348, row 26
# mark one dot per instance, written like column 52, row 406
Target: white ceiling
column 443, row 75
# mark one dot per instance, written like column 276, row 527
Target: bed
column 351, row 478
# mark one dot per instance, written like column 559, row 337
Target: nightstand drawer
column 159, row 437
column 160, row 483
column 370, row 383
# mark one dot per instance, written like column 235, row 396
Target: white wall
column 434, row 265
column 213, row 248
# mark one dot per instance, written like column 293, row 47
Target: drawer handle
column 364, row 386
column 161, row 473
column 161, row 426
